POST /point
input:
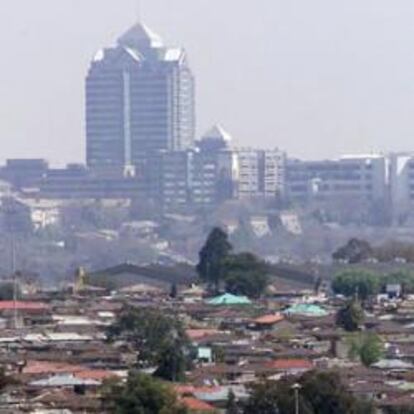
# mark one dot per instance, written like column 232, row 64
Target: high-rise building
column 139, row 99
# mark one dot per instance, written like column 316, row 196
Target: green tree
column 246, row 274
column 7, row 290
column 326, row 393
column 173, row 361
column 351, row 316
column 264, row 399
column 160, row 340
column 213, row 256
column 141, row 394
column 231, row 404
column 355, row 251
column 404, row 278
column 367, row 347
column 392, row 250
column 320, row 393
column 174, row 291
column 362, row 283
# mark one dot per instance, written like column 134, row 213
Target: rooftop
column 219, row 133
column 140, row 36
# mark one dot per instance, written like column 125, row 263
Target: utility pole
column 296, row 388
column 139, row 11
column 10, row 212
column 14, row 272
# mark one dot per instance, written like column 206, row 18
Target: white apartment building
column 261, row 173
column 401, row 182
column 352, row 177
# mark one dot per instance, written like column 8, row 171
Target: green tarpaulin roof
column 229, row 299
column 306, row 310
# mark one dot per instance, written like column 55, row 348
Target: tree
column 351, row 316
column 404, row 278
column 160, row 341
column 361, row 283
column 355, row 251
column 174, row 291
column 7, row 290
column 245, row 274
column 365, row 283
column 212, row 257
column 320, row 393
column 326, row 393
column 141, row 394
column 264, row 399
column 173, row 361
column 231, row 405
column 367, row 347
column 393, row 250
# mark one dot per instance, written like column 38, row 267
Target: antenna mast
column 139, row 11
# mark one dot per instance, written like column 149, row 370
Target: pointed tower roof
column 140, row 36
column 219, row 133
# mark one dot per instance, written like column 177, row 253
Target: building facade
column 200, row 177
column 401, row 180
column 261, row 173
column 363, row 177
column 139, row 99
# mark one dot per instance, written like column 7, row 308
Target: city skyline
column 338, row 77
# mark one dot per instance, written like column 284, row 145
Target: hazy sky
column 315, row 77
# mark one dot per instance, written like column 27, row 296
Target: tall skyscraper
column 139, row 99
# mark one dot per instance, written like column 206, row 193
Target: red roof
column 184, row 389
column 96, row 374
column 201, row 333
column 20, row 305
column 287, row 364
column 269, row 319
column 48, row 367
column 193, row 404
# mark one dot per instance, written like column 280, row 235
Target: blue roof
column 306, row 309
column 229, row 299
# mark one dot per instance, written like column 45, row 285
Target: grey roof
column 63, row 381
column 392, row 364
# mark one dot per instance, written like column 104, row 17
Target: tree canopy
column 245, row 274
column 142, row 394
column 358, row 251
column 160, row 341
column 368, row 347
column 365, row 283
column 351, row 316
column 355, row 251
column 7, row 291
column 320, row 393
column 360, row 282
column 212, row 257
